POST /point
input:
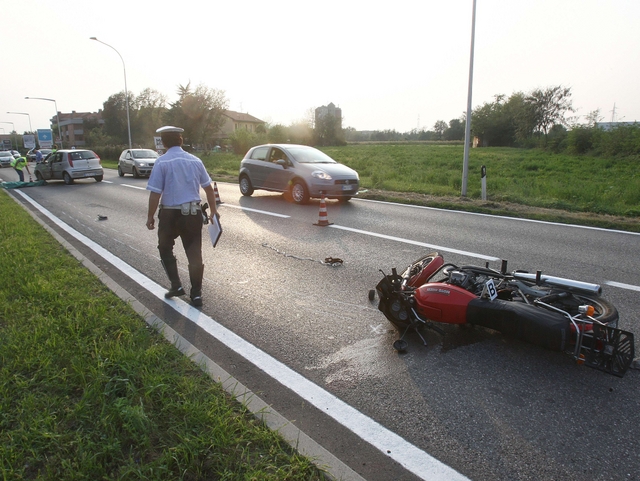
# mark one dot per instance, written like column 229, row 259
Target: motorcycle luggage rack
column 602, row 347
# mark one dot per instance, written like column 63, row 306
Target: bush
column 242, row 140
column 621, row 140
column 580, row 140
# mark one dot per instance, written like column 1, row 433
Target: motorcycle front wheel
column 422, row 269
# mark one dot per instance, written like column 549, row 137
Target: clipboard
column 215, row 230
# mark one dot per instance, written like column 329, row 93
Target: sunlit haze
column 388, row 65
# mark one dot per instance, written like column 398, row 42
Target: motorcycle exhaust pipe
column 586, row 287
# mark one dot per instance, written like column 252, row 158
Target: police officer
column 174, row 186
column 20, row 163
column 38, row 155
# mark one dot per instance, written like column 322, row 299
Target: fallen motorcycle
column 552, row 312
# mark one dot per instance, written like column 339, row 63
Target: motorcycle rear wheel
column 605, row 312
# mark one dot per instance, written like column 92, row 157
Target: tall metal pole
column 467, row 131
column 24, row 113
column 57, row 116
column 126, row 91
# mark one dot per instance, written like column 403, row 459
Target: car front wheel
column 120, row 172
column 299, row 192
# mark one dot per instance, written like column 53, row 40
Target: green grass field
column 524, row 176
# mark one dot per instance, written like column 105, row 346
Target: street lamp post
column 24, row 113
column 467, row 131
column 57, row 116
column 13, row 127
column 126, row 91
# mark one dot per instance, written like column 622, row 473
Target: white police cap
column 169, row 128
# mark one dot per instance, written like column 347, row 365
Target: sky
column 399, row 65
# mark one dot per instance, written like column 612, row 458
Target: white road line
column 535, row 221
column 133, row 186
column 630, row 287
column 389, row 443
column 258, row 211
column 423, row 244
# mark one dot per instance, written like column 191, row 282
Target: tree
column 277, row 134
column 114, row 114
column 199, row 113
column 593, row 118
column 439, row 127
column 328, row 131
column 549, row 107
column 456, row 129
column 149, row 110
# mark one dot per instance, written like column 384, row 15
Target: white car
column 5, row 158
column 70, row 165
column 138, row 162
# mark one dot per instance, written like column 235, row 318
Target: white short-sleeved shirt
column 178, row 176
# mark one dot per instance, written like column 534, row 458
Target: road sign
column 29, row 141
column 45, row 138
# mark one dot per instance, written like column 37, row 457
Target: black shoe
column 174, row 292
column 196, row 301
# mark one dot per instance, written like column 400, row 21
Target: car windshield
column 82, row 154
column 5, row 154
column 309, row 155
column 144, row 154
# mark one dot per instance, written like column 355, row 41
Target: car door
column 257, row 166
column 57, row 165
column 127, row 162
column 279, row 171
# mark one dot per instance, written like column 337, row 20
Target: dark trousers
column 172, row 224
column 20, row 174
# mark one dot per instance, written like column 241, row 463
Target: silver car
column 138, row 162
column 5, row 158
column 69, row 165
column 298, row 170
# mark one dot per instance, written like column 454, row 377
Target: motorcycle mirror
column 400, row 345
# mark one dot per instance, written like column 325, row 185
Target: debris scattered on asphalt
column 102, row 217
column 328, row 261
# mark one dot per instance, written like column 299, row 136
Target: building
column 237, row 120
column 72, row 126
column 606, row 126
column 331, row 110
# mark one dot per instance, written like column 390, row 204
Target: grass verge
column 88, row 391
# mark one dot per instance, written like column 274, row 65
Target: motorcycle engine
column 460, row 279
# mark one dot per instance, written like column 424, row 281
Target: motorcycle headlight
column 319, row 174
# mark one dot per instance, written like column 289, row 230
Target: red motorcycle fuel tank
column 441, row 302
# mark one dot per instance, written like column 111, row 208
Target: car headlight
column 319, row 174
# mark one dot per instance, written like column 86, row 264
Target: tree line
column 543, row 118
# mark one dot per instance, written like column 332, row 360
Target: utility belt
column 188, row 208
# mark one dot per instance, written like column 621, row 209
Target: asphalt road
column 310, row 343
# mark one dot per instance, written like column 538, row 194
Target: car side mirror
column 282, row 162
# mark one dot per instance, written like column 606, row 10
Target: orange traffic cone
column 322, row 217
column 215, row 191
